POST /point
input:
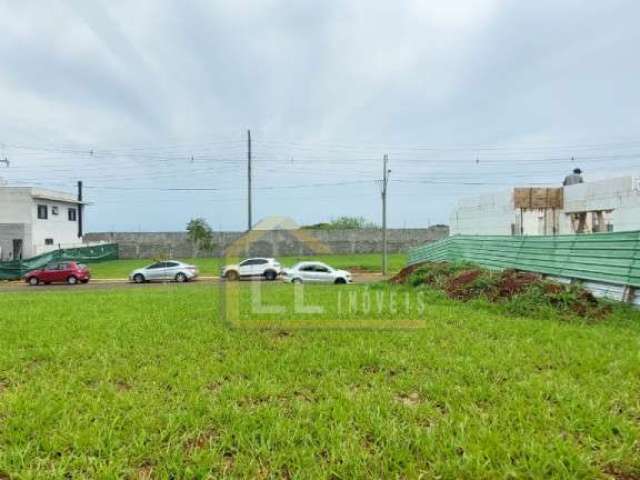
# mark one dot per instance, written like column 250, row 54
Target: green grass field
column 211, row 266
column 152, row 383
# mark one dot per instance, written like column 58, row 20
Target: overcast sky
column 139, row 98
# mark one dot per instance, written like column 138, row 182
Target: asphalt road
column 109, row 284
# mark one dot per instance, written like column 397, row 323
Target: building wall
column 620, row 195
column 57, row 227
column 494, row 214
column 15, row 221
column 15, row 205
column 18, row 207
column 273, row 243
column 9, row 232
column 488, row 214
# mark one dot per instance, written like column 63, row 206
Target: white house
column 34, row 221
column 599, row 206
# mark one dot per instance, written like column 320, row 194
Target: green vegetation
column 343, row 223
column 521, row 293
column 211, row 266
column 200, row 234
column 150, row 382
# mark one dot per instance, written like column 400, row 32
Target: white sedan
column 315, row 272
column 165, row 271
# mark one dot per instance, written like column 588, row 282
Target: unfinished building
column 601, row 206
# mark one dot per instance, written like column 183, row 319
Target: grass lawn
column 211, row 266
column 151, row 383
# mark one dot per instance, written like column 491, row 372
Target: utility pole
column 80, row 229
column 249, row 213
column 385, row 182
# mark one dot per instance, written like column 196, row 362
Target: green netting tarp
column 602, row 257
column 15, row 270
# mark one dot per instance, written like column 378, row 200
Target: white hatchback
column 315, row 272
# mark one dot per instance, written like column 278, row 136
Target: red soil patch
column 512, row 282
column 587, row 305
column 553, row 288
column 457, row 287
column 403, row 275
column 201, row 441
column 619, row 474
column 476, row 282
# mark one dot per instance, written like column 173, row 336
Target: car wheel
column 232, row 275
column 138, row 278
column 85, row 281
column 296, row 280
column 72, row 280
column 270, row 275
column 181, row 277
column 33, row 281
column 340, row 281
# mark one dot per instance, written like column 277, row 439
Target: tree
column 200, row 234
column 343, row 223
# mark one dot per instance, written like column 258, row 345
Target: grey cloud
column 365, row 74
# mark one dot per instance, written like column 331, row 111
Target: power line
column 209, row 189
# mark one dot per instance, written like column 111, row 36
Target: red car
column 57, row 272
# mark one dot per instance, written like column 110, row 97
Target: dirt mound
column 461, row 286
column 522, row 293
column 513, row 282
column 581, row 303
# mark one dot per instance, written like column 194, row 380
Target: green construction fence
column 16, row 269
column 600, row 257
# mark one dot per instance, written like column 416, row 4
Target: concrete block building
column 600, row 206
column 34, row 221
column 606, row 205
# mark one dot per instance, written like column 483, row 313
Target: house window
column 43, row 212
column 73, row 214
column 54, row 210
column 48, row 241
